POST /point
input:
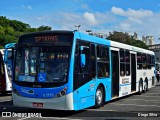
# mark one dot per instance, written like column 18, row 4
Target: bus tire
column 99, row 97
column 145, row 87
column 140, row 88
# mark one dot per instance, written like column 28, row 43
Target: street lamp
column 77, row 26
column 88, row 31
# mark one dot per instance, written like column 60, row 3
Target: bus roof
column 49, row 32
column 9, row 45
column 129, row 47
column 94, row 39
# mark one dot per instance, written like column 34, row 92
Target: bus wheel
column 145, row 87
column 99, row 98
column 140, row 88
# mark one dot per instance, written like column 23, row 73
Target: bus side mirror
column 6, row 56
column 82, row 60
column 82, row 57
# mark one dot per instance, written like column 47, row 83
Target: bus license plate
column 37, row 104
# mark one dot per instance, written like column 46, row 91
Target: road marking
column 136, row 105
column 23, row 118
column 152, row 93
column 100, row 110
column 60, row 118
column 149, row 96
column 142, row 99
column 5, row 100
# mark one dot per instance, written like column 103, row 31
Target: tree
column 10, row 30
column 126, row 39
column 2, row 31
column 44, row 28
column 118, row 36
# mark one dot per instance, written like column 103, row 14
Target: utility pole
column 78, row 26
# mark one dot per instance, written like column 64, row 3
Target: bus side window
column 139, row 60
column 93, row 60
column 122, row 62
column 127, row 62
column 144, row 61
column 103, row 68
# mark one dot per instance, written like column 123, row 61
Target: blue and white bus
column 9, row 50
column 70, row 70
column 6, row 68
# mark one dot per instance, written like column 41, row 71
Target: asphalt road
column 145, row 106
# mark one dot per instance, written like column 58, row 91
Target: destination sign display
column 49, row 38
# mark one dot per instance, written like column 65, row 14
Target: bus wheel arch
column 100, row 96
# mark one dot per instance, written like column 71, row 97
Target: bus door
column 115, row 73
column 84, row 75
column 133, row 72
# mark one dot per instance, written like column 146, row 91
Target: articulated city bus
column 70, row 70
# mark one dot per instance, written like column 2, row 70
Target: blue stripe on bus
column 124, row 84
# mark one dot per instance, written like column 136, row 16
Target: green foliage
column 118, row 36
column 44, row 28
column 126, row 39
column 10, row 30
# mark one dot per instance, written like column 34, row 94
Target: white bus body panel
column 126, row 89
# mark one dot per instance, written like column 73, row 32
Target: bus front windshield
column 42, row 64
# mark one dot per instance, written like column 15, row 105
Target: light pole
column 78, row 26
column 89, row 31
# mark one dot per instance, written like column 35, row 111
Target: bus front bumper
column 61, row 103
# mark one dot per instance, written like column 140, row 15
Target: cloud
column 125, row 26
column 131, row 12
column 85, row 7
column 26, row 7
column 144, row 22
column 90, row 18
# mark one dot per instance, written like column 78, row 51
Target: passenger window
column 103, row 68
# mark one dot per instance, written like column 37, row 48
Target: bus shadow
column 55, row 113
column 5, row 94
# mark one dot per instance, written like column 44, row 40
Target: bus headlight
column 16, row 91
column 62, row 92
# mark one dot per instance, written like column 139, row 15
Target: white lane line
column 153, row 93
column 24, row 118
column 5, row 100
column 135, row 105
column 100, row 110
column 143, row 100
column 148, row 96
column 60, row 118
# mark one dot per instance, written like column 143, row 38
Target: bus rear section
column 5, row 82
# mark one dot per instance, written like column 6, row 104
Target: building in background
column 135, row 36
column 148, row 40
column 156, row 49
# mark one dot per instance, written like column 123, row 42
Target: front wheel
column 99, row 97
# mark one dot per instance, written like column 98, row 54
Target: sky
column 102, row 16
